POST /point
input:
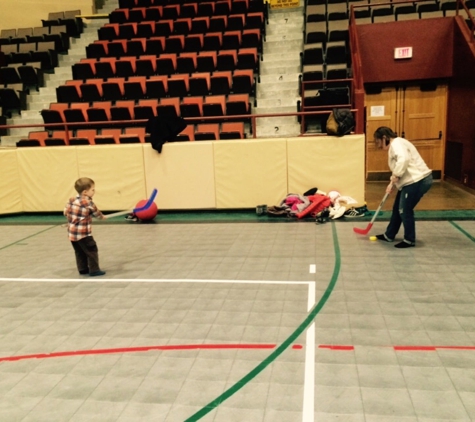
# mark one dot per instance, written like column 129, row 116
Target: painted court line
column 309, row 379
column 397, row 348
column 96, row 280
column 461, row 230
column 282, row 347
column 309, row 376
column 168, row 347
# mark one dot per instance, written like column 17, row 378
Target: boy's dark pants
column 87, row 256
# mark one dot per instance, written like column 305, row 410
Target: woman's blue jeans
column 403, row 209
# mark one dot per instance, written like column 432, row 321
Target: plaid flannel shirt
column 79, row 212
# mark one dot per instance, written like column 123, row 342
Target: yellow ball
column 373, row 238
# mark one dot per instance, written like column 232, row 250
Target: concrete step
column 55, row 80
column 45, row 98
column 279, row 46
column 29, row 114
column 278, row 94
column 66, row 72
column 279, row 56
column 284, row 36
column 279, row 78
column 280, row 68
column 274, row 103
column 277, row 121
column 278, row 131
column 289, row 27
column 40, row 104
column 272, row 109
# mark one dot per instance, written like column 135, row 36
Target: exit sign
column 403, row 52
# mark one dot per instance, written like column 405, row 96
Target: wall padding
column 249, row 173
column 189, row 175
column 10, row 189
column 328, row 163
column 183, row 174
column 118, row 172
column 46, row 177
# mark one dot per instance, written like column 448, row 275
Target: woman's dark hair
column 384, row 131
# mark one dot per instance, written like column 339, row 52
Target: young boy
column 79, row 212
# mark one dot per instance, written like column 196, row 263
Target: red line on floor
column 140, row 349
column 401, row 348
column 335, row 347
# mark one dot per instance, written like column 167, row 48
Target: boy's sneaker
column 131, row 217
column 97, row 273
column 353, row 212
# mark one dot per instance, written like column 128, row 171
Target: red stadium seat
column 83, row 137
column 169, row 106
column 123, row 110
column 207, row 132
column 191, row 107
column 100, row 111
column 214, row 105
column 146, row 109
column 200, row 84
column 232, row 130
column 157, row 86
column 187, row 134
column 206, row 61
column 221, row 83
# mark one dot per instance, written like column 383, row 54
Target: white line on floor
column 313, row 269
column 149, row 280
column 308, row 413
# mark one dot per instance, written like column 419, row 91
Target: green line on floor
column 280, row 349
column 462, row 231
column 28, row 237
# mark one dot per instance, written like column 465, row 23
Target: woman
column 412, row 178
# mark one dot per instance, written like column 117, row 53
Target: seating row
column 122, row 111
column 189, row 10
column 138, row 87
column 57, row 34
column 203, row 7
column 151, row 26
column 332, row 52
column 408, row 11
column 212, row 41
column 43, row 52
column 167, row 64
column 29, row 75
column 205, row 131
column 69, row 18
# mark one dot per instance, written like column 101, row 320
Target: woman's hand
column 394, row 179
column 389, row 188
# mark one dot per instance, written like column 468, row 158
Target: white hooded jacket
column 406, row 163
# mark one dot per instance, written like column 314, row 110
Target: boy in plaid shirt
column 79, row 212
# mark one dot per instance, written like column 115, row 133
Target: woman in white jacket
column 411, row 177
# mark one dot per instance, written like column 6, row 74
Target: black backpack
column 341, row 122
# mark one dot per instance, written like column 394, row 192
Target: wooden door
column 381, row 110
column 418, row 115
column 424, row 122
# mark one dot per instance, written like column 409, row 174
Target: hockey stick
column 370, row 225
column 135, row 210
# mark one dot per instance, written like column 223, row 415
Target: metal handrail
column 252, row 117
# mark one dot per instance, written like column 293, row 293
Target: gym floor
column 240, row 322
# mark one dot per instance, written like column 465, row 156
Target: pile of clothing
column 314, row 204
